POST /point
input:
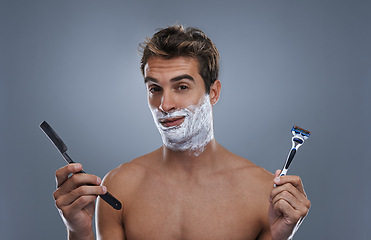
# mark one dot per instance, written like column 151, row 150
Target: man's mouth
column 171, row 122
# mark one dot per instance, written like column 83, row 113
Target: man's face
column 180, row 106
column 173, row 83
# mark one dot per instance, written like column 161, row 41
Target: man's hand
column 75, row 200
column 288, row 204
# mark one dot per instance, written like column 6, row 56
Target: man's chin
column 176, row 141
column 169, row 129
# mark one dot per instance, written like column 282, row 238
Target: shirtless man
column 191, row 187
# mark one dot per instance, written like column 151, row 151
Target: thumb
column 277, row 173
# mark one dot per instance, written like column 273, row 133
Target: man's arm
column 109, row 222
column 265, row 234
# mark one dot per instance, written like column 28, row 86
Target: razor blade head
column 298, row 140
column 300, row 132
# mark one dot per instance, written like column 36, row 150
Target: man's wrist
column 77, row 236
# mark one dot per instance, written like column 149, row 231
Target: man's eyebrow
column 174, row 79
column 184, row 76
column 149, row 79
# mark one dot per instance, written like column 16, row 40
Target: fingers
column 291, row 215
column 71, row 205
column 74, row 190
column 294, row 199
column 293, row 180
column 277, row 173
column 77, row 180
column 69, row 210
column 79, row 196
column 289, row 196
column 61, row 175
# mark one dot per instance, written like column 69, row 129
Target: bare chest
column 217, row 210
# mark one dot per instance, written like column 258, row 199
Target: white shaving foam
column 195, row 132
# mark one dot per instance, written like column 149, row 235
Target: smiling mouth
column 171, row 122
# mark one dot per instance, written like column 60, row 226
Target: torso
column 231, row 203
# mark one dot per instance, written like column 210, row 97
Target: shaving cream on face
column 194, row 133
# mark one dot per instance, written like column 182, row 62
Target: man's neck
column 187, row 164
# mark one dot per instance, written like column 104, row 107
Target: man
column 191, row 187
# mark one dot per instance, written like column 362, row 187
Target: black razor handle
column 290, row 158
column 288, row 162
column 108, row 197
column 62, row 148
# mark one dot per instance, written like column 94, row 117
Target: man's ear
column 215, row 92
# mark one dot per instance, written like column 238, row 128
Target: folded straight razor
column 59, row 144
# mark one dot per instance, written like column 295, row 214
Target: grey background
column 76, row 65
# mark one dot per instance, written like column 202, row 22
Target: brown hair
column 175, row 41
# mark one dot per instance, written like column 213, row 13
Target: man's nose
column 167, row 102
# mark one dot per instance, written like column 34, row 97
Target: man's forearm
column 76, row 236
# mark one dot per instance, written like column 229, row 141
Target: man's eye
column 182, row 87
column 154, row 89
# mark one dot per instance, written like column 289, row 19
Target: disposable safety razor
column 62, row 148
column 299, row 135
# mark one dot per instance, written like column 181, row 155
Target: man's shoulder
column 251, row 174
column 131, row 173
column 246, row 165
